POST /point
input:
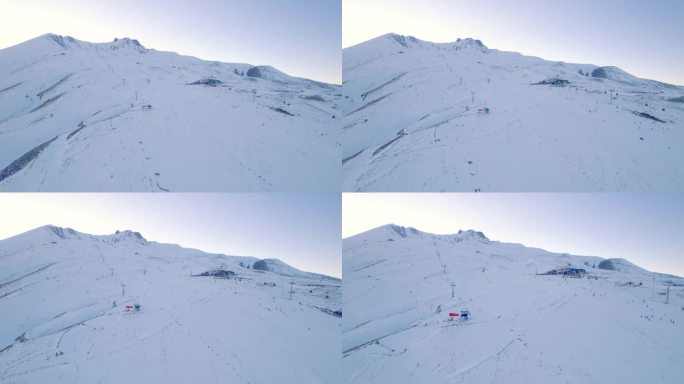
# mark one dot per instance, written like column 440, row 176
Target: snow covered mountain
column 530, row 320
column 79, row 116
column 204, row 317
column 422, row 116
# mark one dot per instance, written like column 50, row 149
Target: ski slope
column 74, row 116
column 63, row 296
column 413, row 122
column 609, row 326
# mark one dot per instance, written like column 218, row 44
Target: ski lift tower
column 291, row 290
column 452, row 289
column 667, row 296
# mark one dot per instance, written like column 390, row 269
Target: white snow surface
column 58, row 323
column 412, row 122
column 606, row 327
column 257, row 130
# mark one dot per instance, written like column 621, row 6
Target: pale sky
column 646, row 229
column 300, row 229
column 299, row 37
column 643, row 38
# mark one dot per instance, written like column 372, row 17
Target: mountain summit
column 410, row 41
column 68, row 42
column 55, row 232
column 472, row 235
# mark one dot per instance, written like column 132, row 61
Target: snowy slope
column 524, row 327
column 73, row 118
column 59, row 325
column 412, row 122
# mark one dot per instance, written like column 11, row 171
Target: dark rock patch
column 18, row 164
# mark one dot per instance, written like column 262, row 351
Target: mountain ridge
column 55, row 232
column 379, row 233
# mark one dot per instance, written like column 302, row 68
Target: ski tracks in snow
column 458, row 376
